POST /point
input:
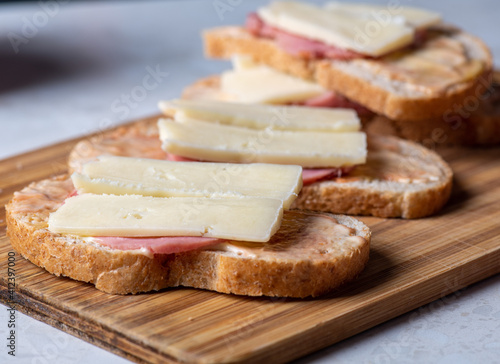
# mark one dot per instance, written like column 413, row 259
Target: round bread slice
column 477, row 123
column 310, row 255
column 400, row 178
column 377, row 84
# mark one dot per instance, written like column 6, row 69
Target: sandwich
column 131, row 225
column 397, row 66
column 476, row 124
column 344, row 172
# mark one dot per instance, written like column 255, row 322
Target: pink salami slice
column 178, row 158
column 333, row 99
column 158, row 245
column 308, row 48
column 297, row 45
column 311, row 175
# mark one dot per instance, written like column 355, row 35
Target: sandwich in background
column 421, row 84
column 131, row 225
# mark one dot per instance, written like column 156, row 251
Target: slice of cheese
column 242, row 62
column 244, row 84
column 150, row 177
column 245, row 218
column 247, row 86
column 224, row 143
column 413, row 17
column 337, row 29
column 293, row 118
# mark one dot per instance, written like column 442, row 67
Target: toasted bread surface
column 400, row 178
column 478, row 123
column 306, row 257
column 373, row 83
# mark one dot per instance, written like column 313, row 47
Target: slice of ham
column 334, row 99
column 312, row 49
column 256, row 26
column 311, row 175
column 178, row 158
column 72, row 194
column 158, row 245
column 297, row 45
column 421, row 36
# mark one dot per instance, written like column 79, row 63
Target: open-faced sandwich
column 404, row 70
column 343, row 171
column 131, row 225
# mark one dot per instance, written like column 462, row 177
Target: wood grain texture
column 412, row 263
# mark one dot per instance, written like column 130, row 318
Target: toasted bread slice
column 400, row 178
column 478, row 123
column 387, row 85
column 308, row 256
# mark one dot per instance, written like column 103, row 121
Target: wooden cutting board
column 412, row 263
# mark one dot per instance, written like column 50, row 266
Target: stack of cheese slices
column 126, row 197
column 223, row 132
column 385, row 177
column 404, row 70
column 393, row 179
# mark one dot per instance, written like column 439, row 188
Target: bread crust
column 346, row 78
column 394, row 106
column 122, row 272
column 400, row 178
column 384, row 196
column 477, row 124
column 224, row 42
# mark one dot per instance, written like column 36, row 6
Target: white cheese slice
column 242, row 62
column 223, row 143
column 293, row 118
column 150, row 177
column 244, row 84
column 247, row 86
column 338, row 29
column 414, row 17
column 245, row 218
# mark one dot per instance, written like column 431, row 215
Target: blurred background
column 82, row 64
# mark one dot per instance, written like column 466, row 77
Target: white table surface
column 68, row 69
